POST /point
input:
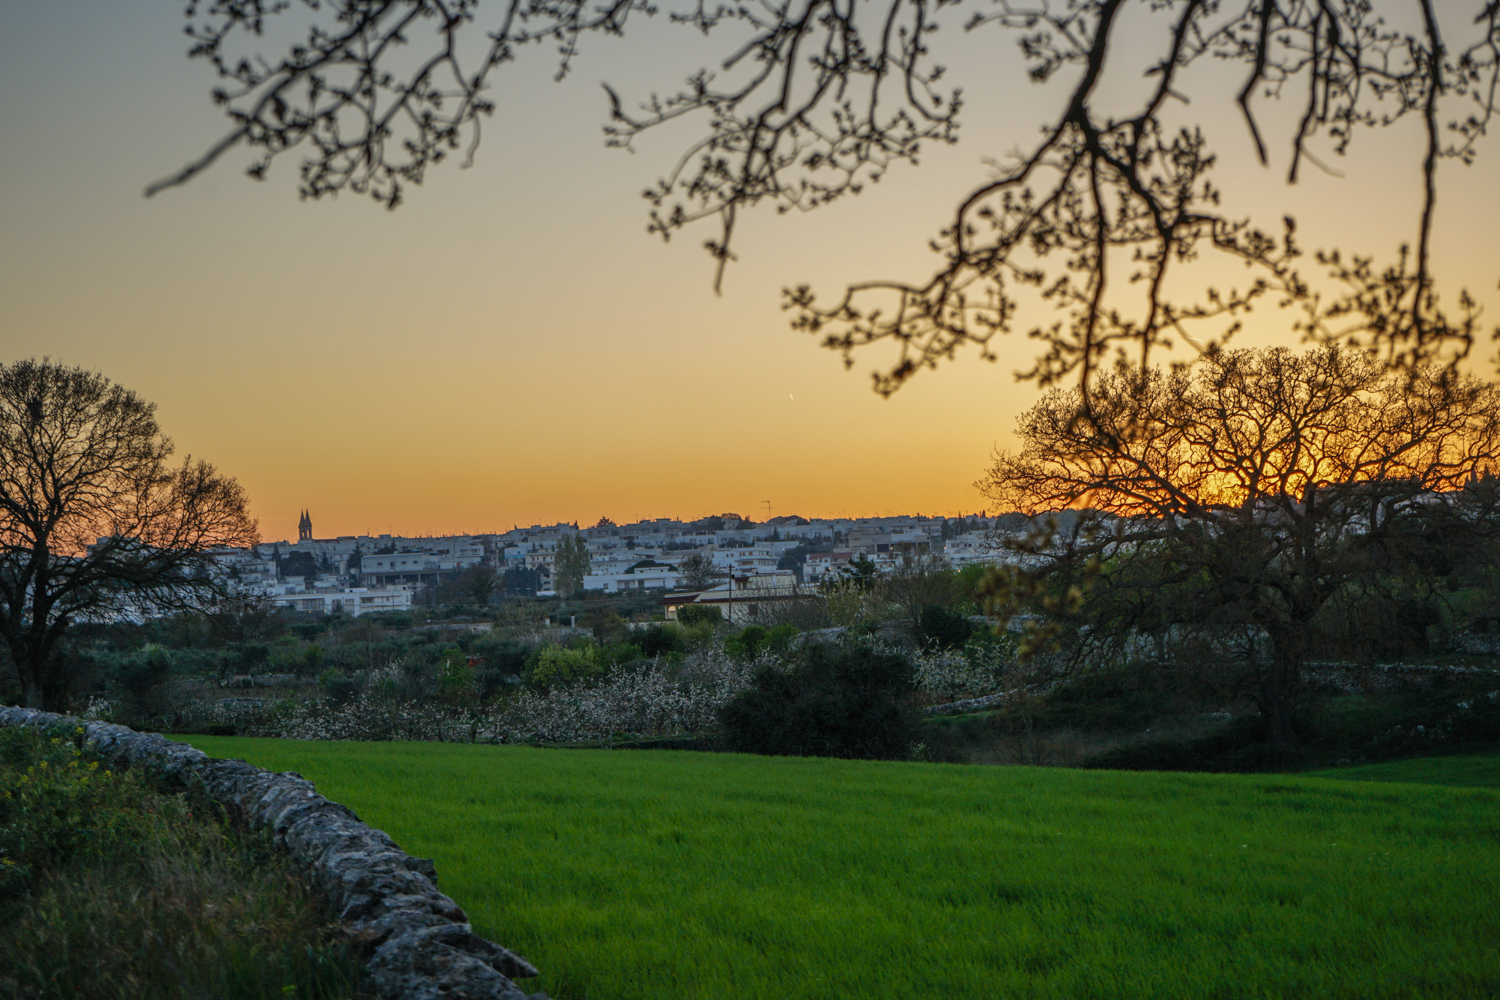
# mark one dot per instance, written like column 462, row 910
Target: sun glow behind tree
column 1249, row 491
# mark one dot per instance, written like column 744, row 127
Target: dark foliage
column 1238, row 746
column 297, row 564
column 517, row 580
column 950, row 739
column 659, row 640
column 249, row 657
column 309, row 627
column 501, row 666
column 1379, row 628
column 1448, row 720
column 1453, row 715
column 339, row 687
column 834, row 702
column 1109, row 701
column 472, row 588
column 944, row 629
column 754, row 638
column 242, row 618
column 695, row 614
column 140, row 686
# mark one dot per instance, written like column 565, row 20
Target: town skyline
column 718, row 558
column 319, row 532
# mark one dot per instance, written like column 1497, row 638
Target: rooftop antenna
column 768, row 509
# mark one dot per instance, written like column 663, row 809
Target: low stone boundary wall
column 1354, row 677
column 418, row 941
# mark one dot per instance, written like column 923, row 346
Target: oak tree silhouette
column 94, row 523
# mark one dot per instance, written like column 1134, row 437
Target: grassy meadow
column 626, row 875
column 1459, row 771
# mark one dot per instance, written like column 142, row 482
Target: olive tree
column 94, row 522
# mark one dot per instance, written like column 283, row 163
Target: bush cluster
column 832, row 701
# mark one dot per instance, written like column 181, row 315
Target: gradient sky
column 511, row 346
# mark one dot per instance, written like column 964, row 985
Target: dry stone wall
column 418, row 941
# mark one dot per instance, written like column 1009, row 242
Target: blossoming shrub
column 649, row 698
column 665, row 696
column 980, row 667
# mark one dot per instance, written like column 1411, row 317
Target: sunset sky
column 511, row 346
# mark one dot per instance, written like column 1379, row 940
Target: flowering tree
column 663, row 697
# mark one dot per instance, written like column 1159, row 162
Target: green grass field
column 1464, row 771
column 628, row 875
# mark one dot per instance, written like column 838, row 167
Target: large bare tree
column 1250, row 490
column 94, row 523
column 806, row 101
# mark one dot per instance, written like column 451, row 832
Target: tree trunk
column 1278, row 687
column 31, row 653
column 30, row 676
column 1276, row 709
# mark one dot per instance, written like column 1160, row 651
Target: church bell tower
column 304, row 528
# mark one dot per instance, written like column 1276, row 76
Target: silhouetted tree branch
column 813, row 99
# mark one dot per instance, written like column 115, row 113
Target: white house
column 821, row 565
column 637, row 579
column 741, row 602
column 744, row 561
column 352, row 601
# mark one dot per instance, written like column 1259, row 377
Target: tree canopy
column 1249, row 491
column 94, row 523
column 812, row 100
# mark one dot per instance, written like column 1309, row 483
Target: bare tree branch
column 815, row 99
